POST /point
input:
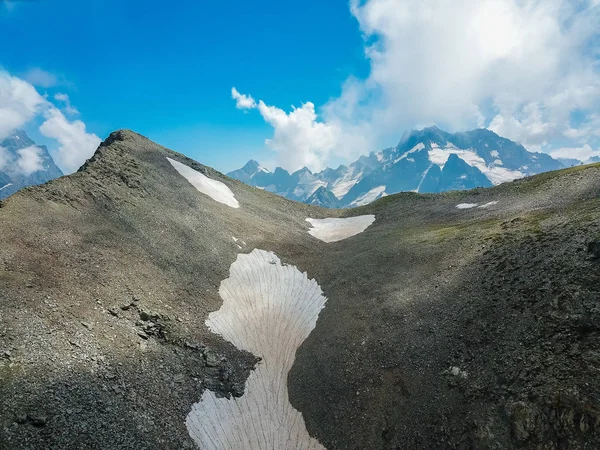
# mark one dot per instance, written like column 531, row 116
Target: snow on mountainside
column 428, row 160
column 23, row 163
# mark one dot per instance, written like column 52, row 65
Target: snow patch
column 473, row 205
column 496, row 175
column 262, row 169
column 498, row 162
column 416, row 148
column 494, row 154
column 333, row 230
column 9, row 184
column 214, row 189
column 268, row 309
column 307, row 185
column 341, row 186
column 369, row 197
column 234, row 238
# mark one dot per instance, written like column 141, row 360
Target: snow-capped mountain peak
column 427, row 160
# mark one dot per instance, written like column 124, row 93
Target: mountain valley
column 151, row 302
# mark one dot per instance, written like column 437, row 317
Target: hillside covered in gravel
column 150, row 302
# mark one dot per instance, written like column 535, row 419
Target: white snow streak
column 333, row 230
column 369, row 197
column 496, row 175
column 268, row 309
column 423, row 178
column 416, row 148
column 6, row 185
column 341, row 186
column 473, row 205
column 214, row 189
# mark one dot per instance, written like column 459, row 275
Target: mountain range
column 425, row 161
column 23, row 163
column 150, row 302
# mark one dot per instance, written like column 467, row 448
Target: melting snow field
column 474, row 205
column 213, row 188
column 488, row 204
column 333, row 230
column 268, row 309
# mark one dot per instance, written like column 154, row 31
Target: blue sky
column 166, row 70
column 359, row 73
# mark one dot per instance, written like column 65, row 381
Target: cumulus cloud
column 242, row 101
column 298, row 138
column 441, row 61
column 75, row 143
column 519, row 67
column 21, row 104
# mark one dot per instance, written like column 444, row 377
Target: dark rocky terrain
column 444, row 327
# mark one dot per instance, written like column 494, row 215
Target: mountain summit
column 150, row 302
column 428, row 160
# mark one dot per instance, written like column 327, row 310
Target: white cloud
column 41, row 78
column 29, row 160
column 520, row 66
column 242, row 101
column 19, row 103
column 64, row 98
column 441, row 61
column 581, row 153
column 5, row 158
column 25, row 162
column 75, row 143
column 298, row 138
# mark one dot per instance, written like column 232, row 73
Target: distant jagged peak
column 17, row 139
column 251, row 165
column 478, row 158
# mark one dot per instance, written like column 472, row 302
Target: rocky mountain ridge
column 465, row 319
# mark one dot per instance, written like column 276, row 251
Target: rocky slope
column 23, row 163
column 429, row 160
column 441, row 327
